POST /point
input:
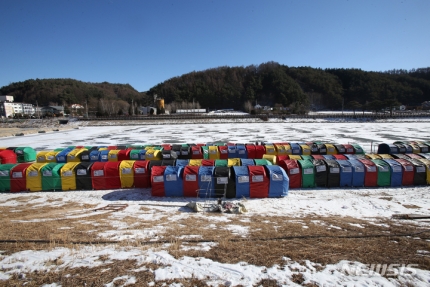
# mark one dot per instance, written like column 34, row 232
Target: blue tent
column 232, row 151
column 295, row 148
column 104, row 155
column 173, row 185
column 246, row 161
column 206, row 181
column 241, row 151
column 61, row 157
column 241, row 178
column 329, row 156
column 350, row 156
column 94, row 155
column 396, row 172
column 425, row 155
column 278, row 181
column 138, row 154
column 182, row 162
column 358, row 172
column 345, row 173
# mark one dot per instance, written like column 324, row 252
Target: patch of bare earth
column 258, row 239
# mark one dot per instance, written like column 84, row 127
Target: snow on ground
column 363, row 203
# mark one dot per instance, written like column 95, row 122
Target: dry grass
column 268, row 240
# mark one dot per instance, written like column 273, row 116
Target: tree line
column 291, row 89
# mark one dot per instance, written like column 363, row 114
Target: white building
column 11, row 109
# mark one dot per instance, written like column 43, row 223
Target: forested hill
column 69, row 91
column 274, row 84
column 299, row 88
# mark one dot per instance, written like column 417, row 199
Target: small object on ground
column 19, row 134
column 56, row 130
column 41, row 132
column 113, row 207
column 410, row 216
column 223, row 207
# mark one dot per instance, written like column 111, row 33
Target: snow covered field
column 374, row 206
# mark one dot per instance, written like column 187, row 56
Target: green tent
column 205, row 150
column 25, row 154
column 262, row 162
column 308, row 172
column 5, row 176
column 358, row 149
column 309, row 157
column 59, row 149
column 51, row 176
column 384, row 172
column 221, row 162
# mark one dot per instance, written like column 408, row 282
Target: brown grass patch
column 411, row 206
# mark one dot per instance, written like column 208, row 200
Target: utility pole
column 132, row 108
column 86, row 108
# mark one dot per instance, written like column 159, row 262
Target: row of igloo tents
column 190, row 151
column 401, row 147
column 203, row 181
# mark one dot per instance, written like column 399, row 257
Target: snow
column 360, row 203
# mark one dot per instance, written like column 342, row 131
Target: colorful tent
column 104, row 155
column 246, row 162
column 112, row 177
column 242, row 152
column 124, row 154
column 126, row 173
column 270, row 150
column 222, row 180
column 213, row 152
column 98, row 175
column 157, row 180
column 196, row 152
column 18, row 177
column 270, row 158
column 137, row 154
column 322, row 149
column 195, row 162
column 34, row 177
column 173, row 182
column 205, row 152
column 308, row 174
column 206, row 181
column 185, row 152
column 294, row 173
column 396, row 172
column 318, row 156
column 331, row 149
column 62, row 155
column 340, row 149
column 113, row 155
column 371, row 173
column 280, row 149
column 408, row 171
column 221, row 162
column 83, row 176
column 358, row 172
column 426, row 162
column 357, row 149
column 384, row 148
column 240, row 177
column 5, row 177
column 250, row 150
column 295, row 149
column 41, row 156
column 329, row 156
column 233, row 161
column 142, row 176
column 153, row 154
column 191, row 184
column 260, row 150
column 262, row 162
column 305, row 149
column 384, row 172
column 73, row 155
column 8, row 156
column 333, row 175
column 340, row 157
column 51, row 176
column 259, row 183
column 420, row 175
column 278, row 181
column 223, row 152
column 208, row 162
column 182, row 162
column 25, row 154
column 320, row 172
column 68, row 176
column 349, row 149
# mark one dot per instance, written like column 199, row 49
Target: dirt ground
column 19, row 128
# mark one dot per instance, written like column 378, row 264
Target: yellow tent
column 270, row 149
column 295, row 156
column 73, row 155
column 415, row 148
column 195, row 162
column 213, row 152
column 233, row 162
column 33, row 177
column 280, row 149
column 153, row 154
column 113, row 155
column 68, row 177
column 288, row 149
column 427, row 163
column 271, row 158
column 126, row 173
column 331, row 149
column 372, row 156
column 50, row 156
column 41, row 156
column 385, row 156
column 102, row 148
column 306, row 150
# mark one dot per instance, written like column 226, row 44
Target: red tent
column 157, row 180
column 250, row 149
column 18, row 178
column 260, row 150
column 166, row 147
column 208, row 162
column 112, row 178
column 98, row 175
column 371, row 172
column 142, row 178
column 7, row 156
column 282, row 157
column 196, row 152
column 340, row 157
column 190, row 180
column 112, row 147
column 317, row 156
column 349, row 149
column 408, row 171
column 223, row 152
column 124, row 154
column 292, row 167
column 258, row 182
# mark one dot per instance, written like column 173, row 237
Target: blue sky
column 144, row 43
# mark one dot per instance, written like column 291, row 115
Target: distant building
column 10, row 109
column 147, row 110
column 6, row 99
column 54, row 110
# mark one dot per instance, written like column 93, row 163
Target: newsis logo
column 388, row 270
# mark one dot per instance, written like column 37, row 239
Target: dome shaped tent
column 280, row 149
column 8, row 156
column 208, row 162
column 233, row 162
column 308, row 173
column 104, row 155
column 195, row 162
column 142, row 176
column 112, row 178
column 221, row 162
column 206, row 181
column 333, row 175
column 349, row 149
column 5, row 170
column 213, row 152
column 426, row 162
column 408, row 172
column 370, row 173
column 270, row 158
column 240, row 176
column 330, row 149
column 322, row 149
column 232, row 151
column 384, row 172
column 357, row 149
column 61, row 157
column 51, row 176
column 84, row 156
column 196, row 152
column 396, row 172
column 223, row 182
column 205, row 152
column 420, row 175
column 340, row 157
column 137, row 154
column 295, row 149
column 124, row 154
column 260, row 150
column 157, row 180
column 314, row 148
column 182, row 162
column 305, row 149
column 278, row 181
column 191, row 184
column 83, row 176
column 223, row 152
column 73, row 155
column 41, row 156
column 259, row 183
column 98, row 175
column 250, row 150
column 113, row 155
column 34, row 177
column 173, row 183
column 384, row 148
column 329, row 156
column 242, row 152
column 185, row 152
column 318, row 156
column 68, row 176
column 25, row 154
column 358, row 172
column 18, row 177
column 246, row 161
column 292, row 167
column 94, row 156
column 340, row 149
column 320, row 172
